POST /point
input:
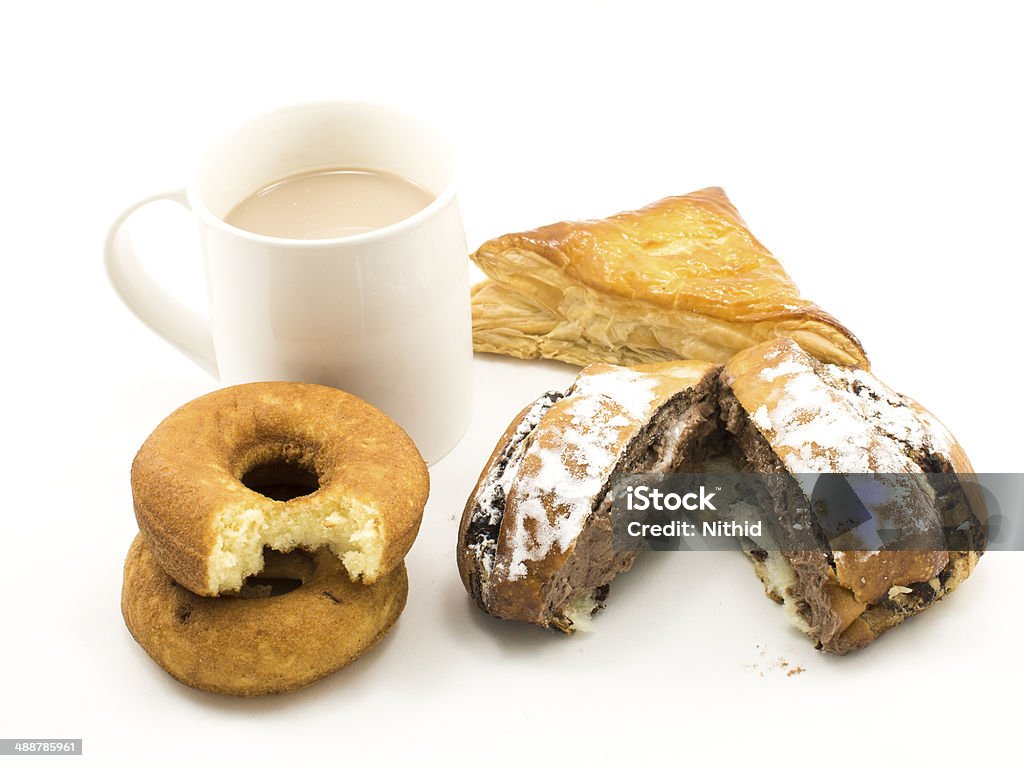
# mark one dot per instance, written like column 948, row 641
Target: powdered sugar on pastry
column 760, row 419
column 782, row 369
column 936, row 437
column 632, row 392
column 891, row 411
column 494, row 490
column 834, row 419
column 573, row 464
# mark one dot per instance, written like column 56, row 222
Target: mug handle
column 184, row 329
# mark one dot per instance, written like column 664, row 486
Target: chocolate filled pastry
column 681, row 278
column 536, row 540
column 786, row 413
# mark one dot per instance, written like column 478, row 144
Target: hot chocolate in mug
column 383, row 314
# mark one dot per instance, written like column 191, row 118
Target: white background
column 876, row 151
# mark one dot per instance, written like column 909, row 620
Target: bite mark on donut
column 286, row 504
column 281, row 466
column 289, row 508
column 348, row 526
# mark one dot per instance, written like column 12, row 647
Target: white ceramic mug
column 383, row 314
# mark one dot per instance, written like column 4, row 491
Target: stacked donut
column 274, row 519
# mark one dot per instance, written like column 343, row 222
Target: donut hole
column 283, row 572
column 281, row 480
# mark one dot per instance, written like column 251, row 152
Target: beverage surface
column 329, row 203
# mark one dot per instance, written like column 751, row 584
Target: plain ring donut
column 250, row 647
column 278, row 465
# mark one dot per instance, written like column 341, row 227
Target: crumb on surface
column 780, row 664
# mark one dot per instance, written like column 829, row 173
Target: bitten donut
column 279, row 465
column 260, row 645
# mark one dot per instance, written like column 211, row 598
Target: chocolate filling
column 681, row 434
column 792, row 517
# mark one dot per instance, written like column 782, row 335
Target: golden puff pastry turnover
column 682, row 278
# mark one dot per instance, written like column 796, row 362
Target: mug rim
column 440, row 201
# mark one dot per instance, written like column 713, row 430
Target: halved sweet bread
column 536, row 540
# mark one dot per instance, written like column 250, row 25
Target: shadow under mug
column 383, row 314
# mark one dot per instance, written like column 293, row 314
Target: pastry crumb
column 780, row 664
